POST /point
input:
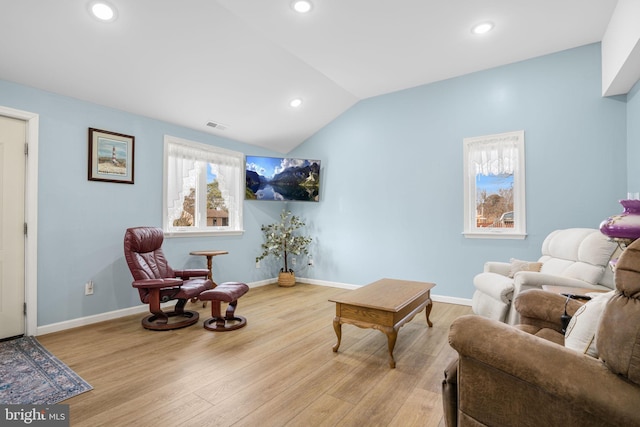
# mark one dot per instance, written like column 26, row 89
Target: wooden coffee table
column 385, row 305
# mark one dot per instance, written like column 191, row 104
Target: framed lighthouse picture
column 110, row 156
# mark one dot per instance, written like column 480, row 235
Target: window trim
column 210, row 231
column 471, row 230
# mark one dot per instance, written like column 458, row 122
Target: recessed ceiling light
column 103, row 11
column 482, row 28
column 301, row 6
column 295, row 103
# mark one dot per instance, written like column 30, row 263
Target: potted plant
column 283, row 239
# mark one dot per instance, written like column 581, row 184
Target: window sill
column 202, row 233
column 493, row 235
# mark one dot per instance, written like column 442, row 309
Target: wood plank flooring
column 277, row 371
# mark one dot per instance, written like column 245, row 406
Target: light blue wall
column 391, row 201
column 633, row 139
column 81, row 223
column 391, row 198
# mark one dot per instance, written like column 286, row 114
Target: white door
column 12, row 178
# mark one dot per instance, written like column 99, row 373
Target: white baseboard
column 88, row 320
column 263, row 283
column 326, row 283
column 436, row 298
column 451, row 300
column 144, row 308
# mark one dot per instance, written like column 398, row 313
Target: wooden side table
column 209, row 254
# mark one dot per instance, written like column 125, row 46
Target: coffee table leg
column 392, row 336
column 337, row 326
column 428, row 312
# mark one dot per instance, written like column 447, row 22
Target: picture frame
column 111, row 156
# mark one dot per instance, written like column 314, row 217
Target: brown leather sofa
column 524, row 376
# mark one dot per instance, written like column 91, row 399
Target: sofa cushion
column 579, row 244
column 581, row 332
column 578, row 253
column 519, row 265
column 554, row 266
column 586, row 272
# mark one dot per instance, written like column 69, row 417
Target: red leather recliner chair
column 157, row 282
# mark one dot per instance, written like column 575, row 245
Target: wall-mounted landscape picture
column 275, row 178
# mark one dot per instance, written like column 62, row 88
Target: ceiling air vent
column 218, row 126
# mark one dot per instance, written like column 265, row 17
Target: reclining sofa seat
column 525, row 376
column 575, row 257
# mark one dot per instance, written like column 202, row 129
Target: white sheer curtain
column 185, row 160
column 229, row 182
column 494, row 156
column 182, row 176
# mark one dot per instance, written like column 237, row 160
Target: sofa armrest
column 508, row 377
column 495, row 285
column 524, row 280
column 543, row 309
column 497, row 267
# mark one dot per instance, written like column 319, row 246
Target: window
column 203, row 188
column 494, row 199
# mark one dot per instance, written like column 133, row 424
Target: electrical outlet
column 88, row 288
column 310, row 262
column 293, row 261
column 257, row 264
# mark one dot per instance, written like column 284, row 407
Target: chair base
column 159, row 323
column 223, row 324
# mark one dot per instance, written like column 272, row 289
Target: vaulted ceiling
column 238, row 63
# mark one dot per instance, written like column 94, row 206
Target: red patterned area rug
column 29, row 374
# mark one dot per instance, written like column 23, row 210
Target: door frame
column 31, row 216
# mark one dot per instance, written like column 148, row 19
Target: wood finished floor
column 277, row 371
